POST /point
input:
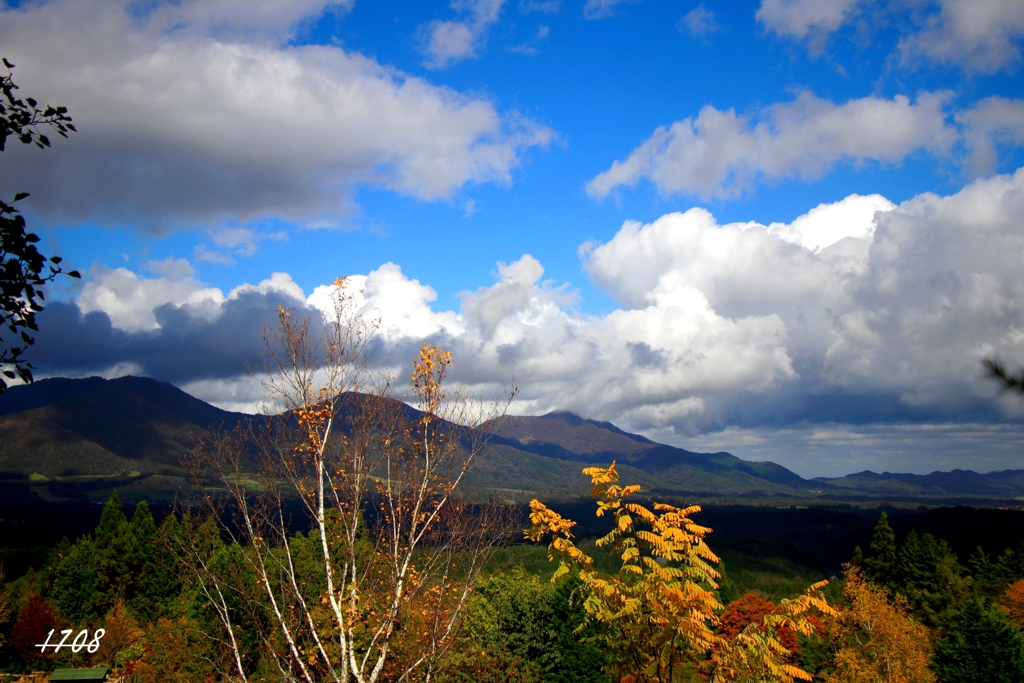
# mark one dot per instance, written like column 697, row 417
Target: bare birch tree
column 375, row 589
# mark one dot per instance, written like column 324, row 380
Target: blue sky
column 614, row 202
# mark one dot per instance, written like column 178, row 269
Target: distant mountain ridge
column 72, row 431
column 1004, row 483
column 564, row 436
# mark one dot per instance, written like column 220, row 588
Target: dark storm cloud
column 185, row 348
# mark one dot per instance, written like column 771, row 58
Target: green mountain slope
column 134, row 431
column 92, row 427
column 137, row 427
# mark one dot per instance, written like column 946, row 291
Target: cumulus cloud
column 721, row 153
column 978, row 36
column 447, row 42
column 180, row 125
column 130, row 301
column 159, row 327
column 858, row 313
column 888, row 321
column 803, row 18
column 992, row 123
column 698, row 22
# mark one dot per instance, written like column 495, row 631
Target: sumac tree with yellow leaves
column 375, row 590
column 656, row 617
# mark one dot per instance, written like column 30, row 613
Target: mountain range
column 67, row 437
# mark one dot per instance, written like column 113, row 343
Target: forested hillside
column 125, row 577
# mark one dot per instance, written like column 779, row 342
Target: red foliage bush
column 750, row 609
column 35, row 619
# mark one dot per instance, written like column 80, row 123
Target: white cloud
column 859, row 311
column 401, row 304
column 447, row 42
column 827, row 224
column 233, row 20
column 281, row 283
column 180, row 127
column 992, row 123
column 242, row 394
column 901, row 306
column 802, row 18
column 698, row 22
column 234, row 241
column 129, row 301
column 857, row 316
column 601, row 9
column 977, row 35
column 486, row 308
column 720, row 153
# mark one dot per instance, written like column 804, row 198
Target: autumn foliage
column 353, row 599
column 752, row 609
column 1012, row 602
column 879, row 641
column 35, row 620
column 656, row 617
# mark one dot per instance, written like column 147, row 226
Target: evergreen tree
column 880, row 566
column 580, row 659
column 1009, row 565
column 148, row 583
column 71, row 580
column 928, row 574
column 981, row 645
column 115, row 546
column 112, row 522
column 979, row 564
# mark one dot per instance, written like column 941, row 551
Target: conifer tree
column 115, row 545
column 928, row 574
column 981, row 645
column 979, row 564
column 112, row 522
column 880, row 566
column 147, row 581
column 71, row 579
